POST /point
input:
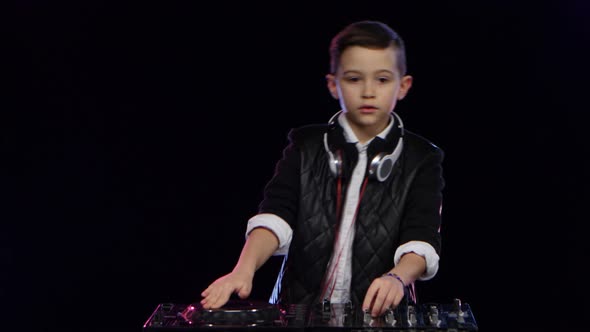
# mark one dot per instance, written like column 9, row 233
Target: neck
column 367, row 133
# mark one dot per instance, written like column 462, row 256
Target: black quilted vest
column 377, row 222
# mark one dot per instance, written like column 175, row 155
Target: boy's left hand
column 384, row 292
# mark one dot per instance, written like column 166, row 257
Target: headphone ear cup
column 335, row 163
column 375, row 168
column 384, row 168
column 382, row 165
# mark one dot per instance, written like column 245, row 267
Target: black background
column 137, row 139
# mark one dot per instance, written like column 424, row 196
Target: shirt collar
column 351, row 137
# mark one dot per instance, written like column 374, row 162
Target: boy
column 354, row 205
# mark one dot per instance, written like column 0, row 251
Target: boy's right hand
column 218, row 293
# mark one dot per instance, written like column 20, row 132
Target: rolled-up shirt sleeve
column 275, row 224
column 423, row 249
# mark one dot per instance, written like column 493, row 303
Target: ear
column 331, row 82
column 405, row 85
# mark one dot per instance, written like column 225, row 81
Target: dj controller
column 252, row 316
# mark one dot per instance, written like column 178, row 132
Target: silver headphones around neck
column 382, row 164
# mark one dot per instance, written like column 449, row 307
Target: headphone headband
column 382, row 164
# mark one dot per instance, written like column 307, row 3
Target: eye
column 383, row 79
column 353, row 79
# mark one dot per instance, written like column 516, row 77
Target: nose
column 368, row 90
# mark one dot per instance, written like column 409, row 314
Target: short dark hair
column 369, row 34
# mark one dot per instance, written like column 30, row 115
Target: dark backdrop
column 137, row 139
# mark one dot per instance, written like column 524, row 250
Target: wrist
column 393, row 275
column 244, row 269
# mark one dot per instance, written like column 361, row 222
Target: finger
column 209, row 300
column 377, row 307
column 206, row 292
column 205, row 303
column 211, row 287
column 389, row 301
column 223, row 297
column 212, row 298
column 209, row 303
column 215, row 299
column 368, row 301
column 372, row 299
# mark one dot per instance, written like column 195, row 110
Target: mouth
column 366, row 109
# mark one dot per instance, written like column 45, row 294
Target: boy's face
column 368, row 85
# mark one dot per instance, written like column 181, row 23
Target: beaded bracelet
column 395, row 276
